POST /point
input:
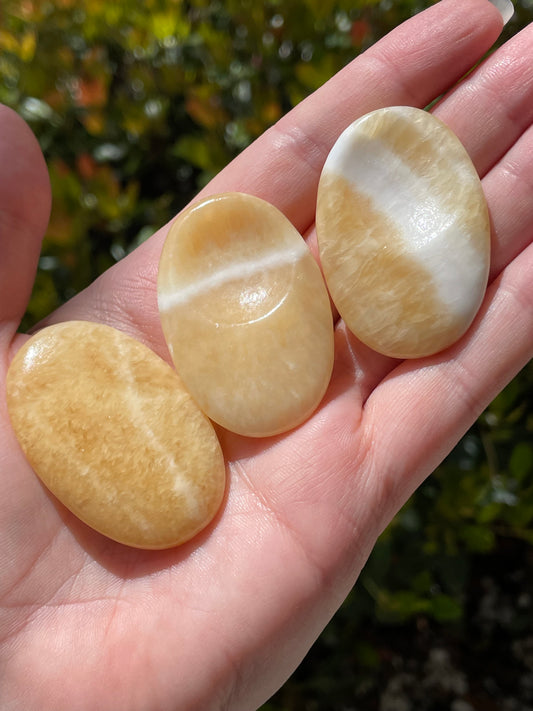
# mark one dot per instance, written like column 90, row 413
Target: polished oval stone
column 110, row 430
column 246, row 314
column 403, row 232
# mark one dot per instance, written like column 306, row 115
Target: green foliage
column 136, row 106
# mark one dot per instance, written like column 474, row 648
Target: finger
column 493, row 106
column 418, row 413
column 413, row 64
column 509, row 191
column 24, row 212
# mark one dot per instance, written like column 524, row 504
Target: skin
column 220, row 623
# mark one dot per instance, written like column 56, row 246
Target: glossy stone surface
column 110, row 430
column 246, row 314
column 403, row 232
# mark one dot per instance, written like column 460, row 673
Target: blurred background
column 136, row 106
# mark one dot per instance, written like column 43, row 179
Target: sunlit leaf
column 91, row 93
column 203, row 105
column 94, row 122
column 8, row 42
column 194, row 150
column 28, row 44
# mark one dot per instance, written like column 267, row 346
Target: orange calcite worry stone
column 110, row 430
column 403, row 232
column 246, row 314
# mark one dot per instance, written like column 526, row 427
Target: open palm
column 87, row 624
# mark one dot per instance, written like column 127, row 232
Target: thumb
column 25, row 199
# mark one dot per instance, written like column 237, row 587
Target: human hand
column 219, row 623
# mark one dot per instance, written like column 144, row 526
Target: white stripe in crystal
column 162, row 457
column 445, row 251
column 239, row 270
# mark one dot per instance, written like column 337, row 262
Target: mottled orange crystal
column 403, row 232
column 111, row 431
column 246, row 314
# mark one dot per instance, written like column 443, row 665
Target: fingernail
column 506, row 8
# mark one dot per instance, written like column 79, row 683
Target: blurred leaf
column 446, row 609
column 521, row 461
column 367, row 655
column 401, row 605
column 489, row 512
column 479, row 539
column 194, row 150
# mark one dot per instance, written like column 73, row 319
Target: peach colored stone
column 403, row 232
column 246, row 314
column 110, row 430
